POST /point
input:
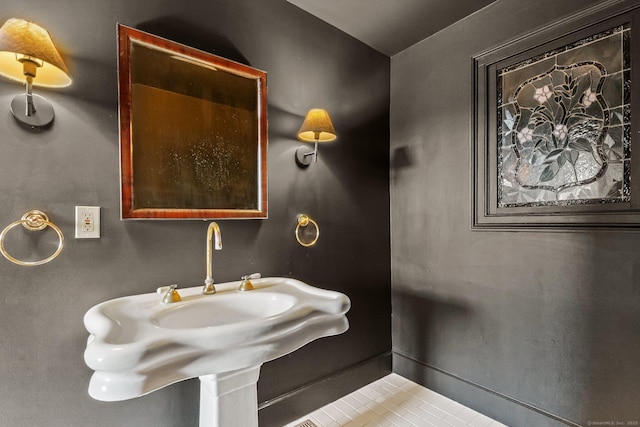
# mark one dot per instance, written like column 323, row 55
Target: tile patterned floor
column 394, row 401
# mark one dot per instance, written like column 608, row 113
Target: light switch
column 87, row 222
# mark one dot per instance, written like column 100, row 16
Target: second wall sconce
column 317, row 127
column 27, row 48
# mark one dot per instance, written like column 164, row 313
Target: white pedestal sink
column 138, row 345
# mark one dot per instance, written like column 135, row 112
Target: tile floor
column 394, row 401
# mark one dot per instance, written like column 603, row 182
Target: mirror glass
column 193, row 132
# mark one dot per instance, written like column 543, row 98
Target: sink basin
column 224, row 309
column 138, row 345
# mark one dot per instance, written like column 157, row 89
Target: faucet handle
column 170, row 294
column 246, row 284
column 165, row 289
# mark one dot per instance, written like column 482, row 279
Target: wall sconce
column 24, row 49
column 317, row 127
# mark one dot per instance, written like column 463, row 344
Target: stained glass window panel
column 564, row 125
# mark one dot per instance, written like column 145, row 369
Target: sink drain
column 306, row 423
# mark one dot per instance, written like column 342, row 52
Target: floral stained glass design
column 564, row 125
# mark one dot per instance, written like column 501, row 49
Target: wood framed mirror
column 193, row 132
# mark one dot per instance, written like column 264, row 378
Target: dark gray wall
column 43, row 379
column 515, row 325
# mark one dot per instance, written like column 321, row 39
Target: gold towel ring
column 34, row 220
column 304, row 221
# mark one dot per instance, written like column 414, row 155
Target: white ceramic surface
column 138, row 345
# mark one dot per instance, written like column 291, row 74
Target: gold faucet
column 213, row 234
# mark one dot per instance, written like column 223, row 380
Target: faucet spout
column 214, row 239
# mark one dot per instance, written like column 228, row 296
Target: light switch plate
column 87, row 222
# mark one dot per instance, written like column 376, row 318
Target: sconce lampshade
column 317, row 127
column 19, row 38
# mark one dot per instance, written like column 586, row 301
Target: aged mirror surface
column 193, row 132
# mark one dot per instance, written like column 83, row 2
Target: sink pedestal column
column 230, row 398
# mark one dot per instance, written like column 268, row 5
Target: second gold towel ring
column 34, row 220
column 304, row 221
